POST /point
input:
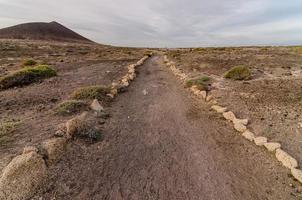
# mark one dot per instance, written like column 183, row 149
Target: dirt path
column 166, row 145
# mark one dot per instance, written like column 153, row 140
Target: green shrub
column 91, row 92
column 71, row 107
column 7, row 127
column 238, row 73
column 29, row 62
column 26, row 76
column 201, row 82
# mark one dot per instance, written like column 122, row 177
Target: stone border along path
column 27, row 172
column 240, row 125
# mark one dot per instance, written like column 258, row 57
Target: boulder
column 96, row 106
column 219, row 109
column 23, row 176
column 248, row 135
column 240, row 127
column 272, row 146
column 54, row 149
column 287, row 160
column 229, row 116
column 260, row 141
column 297, row 174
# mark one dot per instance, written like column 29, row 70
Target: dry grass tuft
column 26, row 76
column 91, row 92
column 240, row 72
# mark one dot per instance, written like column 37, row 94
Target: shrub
column 29, row 62
column 26, row 76
column 71, row 107
column 238, row 73
column 200, row 82
column 7, row 127
column 91, row 92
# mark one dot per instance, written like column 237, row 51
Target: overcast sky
column 167, row 23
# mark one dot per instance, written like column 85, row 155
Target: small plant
column 298, row 49
column 201, row 82
column 29, row 62
column 7, row 127
column 26, row 76
column 240, row 72
column 71, row 106
column 91, row 92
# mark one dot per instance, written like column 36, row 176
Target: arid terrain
column 150, row 137
column 32, row 108
column 272, row 98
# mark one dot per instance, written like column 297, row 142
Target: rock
column 272, row 146
column 287, row 160
column 23, row 176
column 145, row 92
column 229, row 116
column 54, row 148
column 260, row 141
column 203, row 94
column 240, row 127
column 96, row 106
column 113, row 91
column 209, row 98
column 125, row 83
column 219, row 109
column 194, row 89
column 248, row 135
column 241, row 121
column 297, row 174
column 29, row 149
column 110, row 95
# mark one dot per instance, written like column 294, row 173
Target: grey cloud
column 172, row 23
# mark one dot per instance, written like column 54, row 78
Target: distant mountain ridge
column 52, row 31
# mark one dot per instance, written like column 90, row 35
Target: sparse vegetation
column 29, row 62
column 201, row 82
column 298, row 49
column 26, row 76
column 7, row 127
column 70, row 107
column 240, row 72
column 91, row 92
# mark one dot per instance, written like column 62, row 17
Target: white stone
column 203, row 94
column 297, row 173
column 145, row 92
column 219, row 109
column 248, row 135
column 241, row 121
column 272, row 146
column 209, row 98
column 240, row 127
column 229, row 116
column 260, row 141
column 286, row 159
column 96, row 106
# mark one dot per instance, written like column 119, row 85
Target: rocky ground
column 31, row 108
column 160, row 141
column 271, row 99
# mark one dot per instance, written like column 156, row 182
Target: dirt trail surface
column 161, row 143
